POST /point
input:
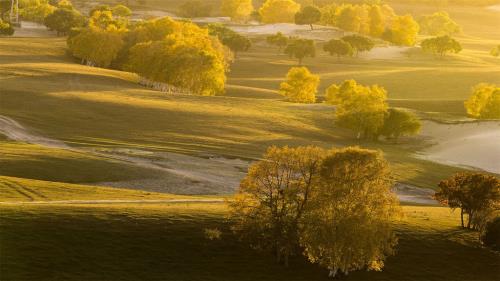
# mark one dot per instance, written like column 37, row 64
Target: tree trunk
column 286, row 258
column 462, row 217
column 311, row 25
column 300, row 61
column 469, row 220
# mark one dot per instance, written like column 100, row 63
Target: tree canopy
column 278, row 11
column 62, row 20
column 300, row 85
column 300, row 48
column 339, row 48
column 398, row 123
column 278, row 40
column 441, row 45
column 359, row 43
column 233, row 40
column 237, row 10
column 484, row 103
column 308, row 15
column 403, row 31
column 6, row 28
column 438, row 24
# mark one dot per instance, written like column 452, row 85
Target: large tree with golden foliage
column 300, row 85
column 237, row 10
column 348, row 226
column 279, row 11
column 484, row 103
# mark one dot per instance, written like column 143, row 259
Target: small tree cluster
column 364, row 110
column 36, row 11
column 278, row 11
column 441, row 45
column 359, row 43
column 472, row 193
column 300, row 85
column 334, row 206
column 237, row 10
column 438, row 24
column 233, row 40
column 484, row 103
column 64, row 18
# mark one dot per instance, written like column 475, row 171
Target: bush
column 491, row 235
column 6, row 28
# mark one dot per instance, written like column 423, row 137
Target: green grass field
column 166, row 242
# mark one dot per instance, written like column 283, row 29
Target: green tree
column 278, row 11
column 308, row 15
column 495, row 51
column 438, row 24
column 235, row 41
column 339, row 48
column 359, row 43
column 403, row 31
column 300, row 85
column 278, row 40
column 237, row 10
column 484, row 103
column 63, row 20
column 268, row 208
column 300, row 48
column 471, row 193
column 359, row 108
column 441, row 45
column 491, row 235
column 349, row 224
column 399, row 123
column 195, row 9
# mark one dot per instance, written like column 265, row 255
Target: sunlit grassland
column 53, row 96
column 27, row 190
column 166, row 242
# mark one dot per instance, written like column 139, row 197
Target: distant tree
column 495, row 51
column 484, row 103
column 471, row 193
column 403, row 31
column 121, row 11
column 36, row 13
column 329, row 14
column 339, row 48
column 300, row 85
column 237, row 10
column 300, row 48
column 235, row 41
column 62, row 20
column 377, row 22
column 278, row 11
column 267, row 211
column 359, row 108
column 6, row 28
column 359, row 43
column 348, row 19
column 398, row 123
column 491, row 236
column 278, row 40
column 350, row 226
column 441, row 45
column 308, row 15
column 195, row 9
column 438, row 24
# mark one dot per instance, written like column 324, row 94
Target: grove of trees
column 300, row 85
column 484, row 103
column 438, row 24
column 475, row 194
column 333, row 206
column 279, row 11
column 441, row 45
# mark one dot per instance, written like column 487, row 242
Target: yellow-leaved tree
column 484, row 103
column 279, row 11
column 300, row 85
column 348, row 226
column 237, row 10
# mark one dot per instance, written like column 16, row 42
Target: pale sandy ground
column 33, row 29
column 475, row 144
column 495, row 8
column 180, row 174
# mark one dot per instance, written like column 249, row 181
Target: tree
column 308, row 15
column 235, row 41
column 329, row 14
column 340, row 48
column 441, row 45
column 279, row 11
column 377, row 23
column 300, row 85
column 403, row 31
column 37, row 13
column 495, row 51
column 348, row 19
column 359, row 108
column 268, row 208
column 121, row 11
column 195, row 9
column 348, row 226
column 398, row 123
column 438, row 24
column 6, row 28
column 237, row 10
column 484, row 103
column 300, row 48
column 359, row 43
column 471, row 192
column 491, row 235
column 63, row 20
column 278, row 40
